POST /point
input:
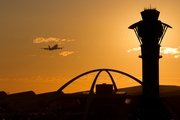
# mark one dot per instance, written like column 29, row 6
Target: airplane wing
column 55, row 46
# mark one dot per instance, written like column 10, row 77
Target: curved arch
column 72, row 80
column 90, row 97
column 59, row 91
column 94, row 82
column 114, row 84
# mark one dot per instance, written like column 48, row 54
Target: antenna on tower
column 150, row 6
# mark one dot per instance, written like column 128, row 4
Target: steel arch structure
column 100, row 70
column 59, row 92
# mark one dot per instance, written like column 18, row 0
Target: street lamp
column 150, row 32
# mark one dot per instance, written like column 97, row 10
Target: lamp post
column 150, row 32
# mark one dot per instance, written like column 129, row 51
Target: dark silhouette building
column 150, row 32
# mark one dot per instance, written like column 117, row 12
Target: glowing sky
column 94, row 34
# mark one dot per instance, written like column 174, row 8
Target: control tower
column 150, row 32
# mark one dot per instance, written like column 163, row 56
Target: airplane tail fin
column 49, row 46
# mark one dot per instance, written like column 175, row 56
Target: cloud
column 164, row 50
column 50, row 39
column 169, row 50
column 172, row 51
column 45, row 40
column 134, row 49
column 65, row 53
column 176, row 56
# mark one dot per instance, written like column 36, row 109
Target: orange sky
column 94, row 34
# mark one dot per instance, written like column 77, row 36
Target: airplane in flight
column 55, row 47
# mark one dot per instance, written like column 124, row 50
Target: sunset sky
column 94, row 34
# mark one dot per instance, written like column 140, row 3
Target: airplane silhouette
column 55, row 47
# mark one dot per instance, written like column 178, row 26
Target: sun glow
column 163, row 50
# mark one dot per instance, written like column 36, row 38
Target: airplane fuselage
column 55, row 47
